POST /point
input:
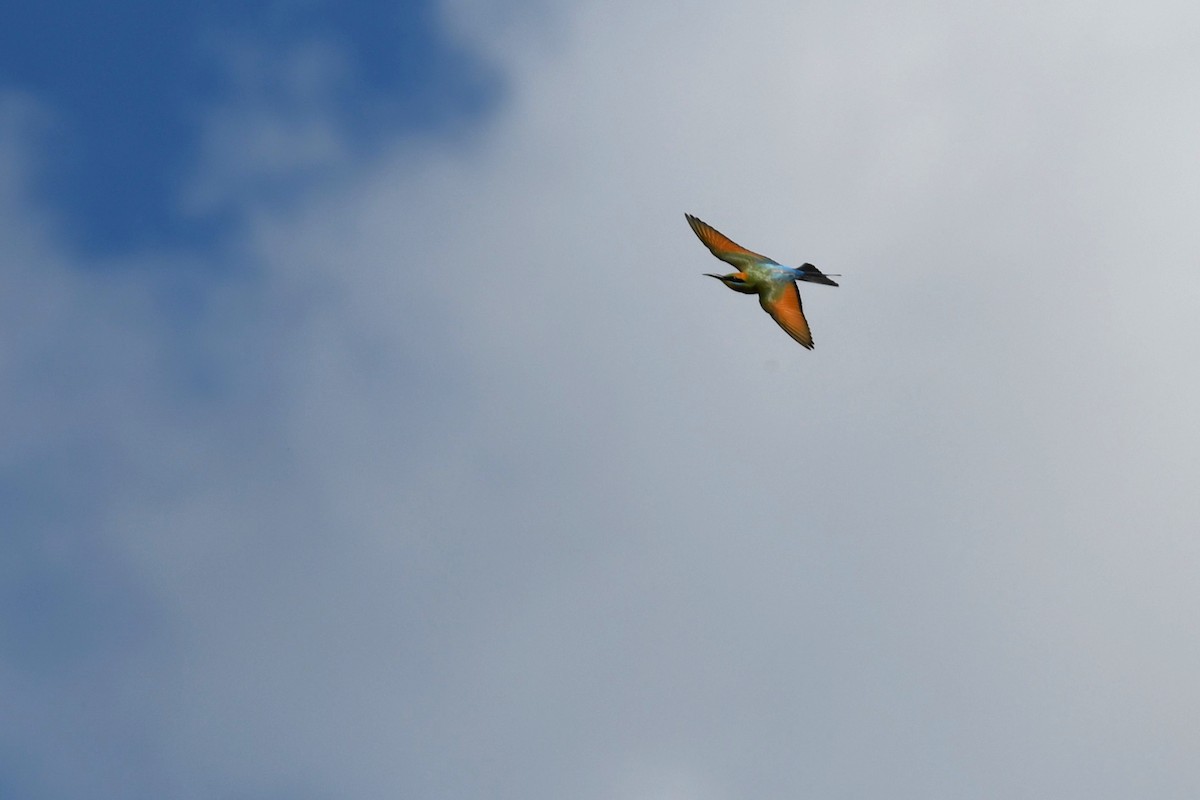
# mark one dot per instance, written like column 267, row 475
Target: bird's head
column 735, row 281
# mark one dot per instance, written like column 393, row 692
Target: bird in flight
column 774, row 283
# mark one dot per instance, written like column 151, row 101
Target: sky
column 368, row 429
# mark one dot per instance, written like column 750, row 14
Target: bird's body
column 774, row 283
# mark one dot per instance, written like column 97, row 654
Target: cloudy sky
column 368, row 431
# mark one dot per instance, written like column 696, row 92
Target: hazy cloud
column 465, row 483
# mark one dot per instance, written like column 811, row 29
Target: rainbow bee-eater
column 774, row 283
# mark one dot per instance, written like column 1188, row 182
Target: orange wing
column 784, row 307
column 721, row 245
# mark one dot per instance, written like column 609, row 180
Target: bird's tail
column 807, row 272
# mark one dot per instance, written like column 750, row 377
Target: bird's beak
column 710, row 275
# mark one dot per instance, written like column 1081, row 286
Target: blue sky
column 126, row 83
column 119, row 93
column 369, row 430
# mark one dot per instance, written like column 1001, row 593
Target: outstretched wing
column 783, row 304
column 722, row 246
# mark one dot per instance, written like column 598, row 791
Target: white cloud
column 497, row 496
